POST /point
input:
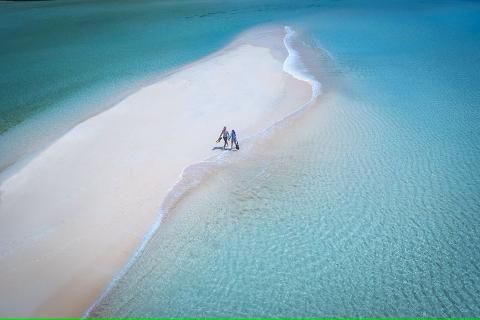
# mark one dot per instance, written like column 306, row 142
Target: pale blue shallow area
column 64, row 61
column 368, row 204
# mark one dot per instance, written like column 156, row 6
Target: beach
column 73, row 215
column 355, row 191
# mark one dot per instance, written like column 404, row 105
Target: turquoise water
column 62, row 62
column 367, row 204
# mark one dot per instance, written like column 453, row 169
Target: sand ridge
column 72, row 217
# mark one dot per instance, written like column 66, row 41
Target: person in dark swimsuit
column 225, row 135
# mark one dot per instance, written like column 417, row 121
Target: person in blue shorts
column 233, row 140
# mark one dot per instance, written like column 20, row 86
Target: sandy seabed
column 73, row 216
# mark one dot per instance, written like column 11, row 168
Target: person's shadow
column 221, row 148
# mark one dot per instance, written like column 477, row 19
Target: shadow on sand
column 221, row 148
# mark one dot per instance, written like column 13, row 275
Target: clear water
column 64, row 61
column 366, row 204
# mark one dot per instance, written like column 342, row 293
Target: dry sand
column 72, row 217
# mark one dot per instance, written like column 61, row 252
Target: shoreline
column 248, row 44
column 112, row 100
column 179, row 190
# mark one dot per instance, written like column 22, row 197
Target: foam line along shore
column 93, row 194
column 193, row 175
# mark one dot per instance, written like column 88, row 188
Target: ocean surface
column 364, row 203
column 64, row 61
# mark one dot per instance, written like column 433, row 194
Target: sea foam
column 294, row 66
column 193, row 175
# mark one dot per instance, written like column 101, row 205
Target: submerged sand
column 73, row 216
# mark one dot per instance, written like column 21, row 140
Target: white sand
column 72, row 217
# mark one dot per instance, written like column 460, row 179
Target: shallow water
column 367, row 204
column 62, row 62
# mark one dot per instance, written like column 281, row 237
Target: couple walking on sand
column 228, row 136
